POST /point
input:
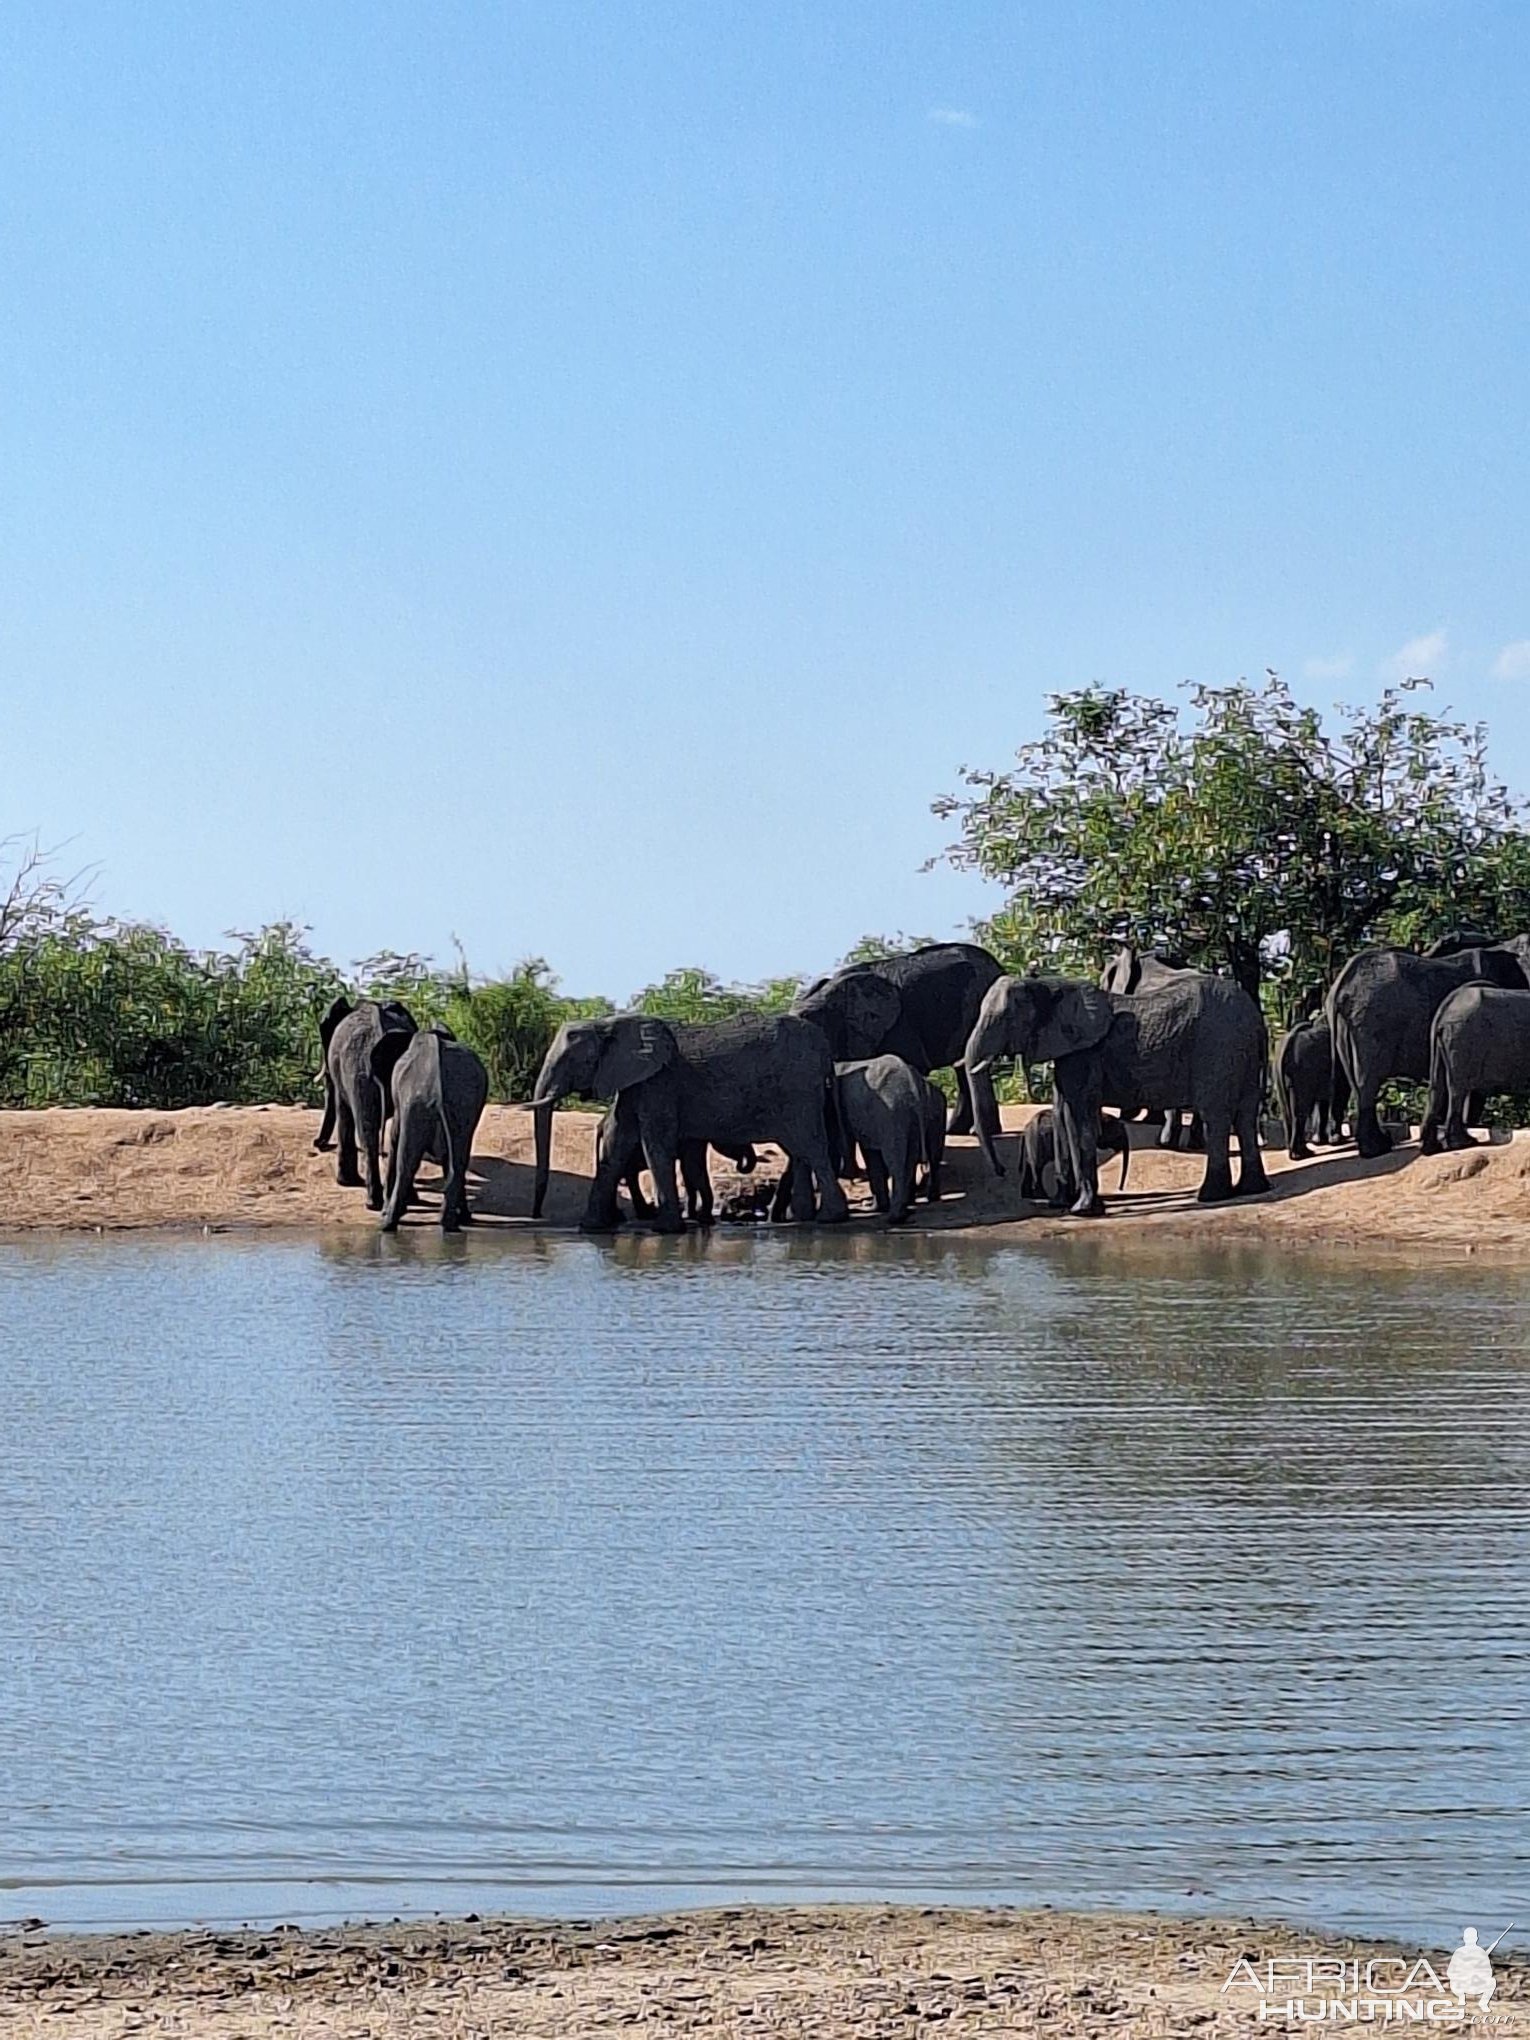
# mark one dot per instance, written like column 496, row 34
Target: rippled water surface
column 558, row 1576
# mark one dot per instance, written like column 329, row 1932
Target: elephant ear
column 871, row 1008
column 1070, row 1016
column 386, row 1052
column 1123, row 973
column 338, row 1011
column 636, row 1048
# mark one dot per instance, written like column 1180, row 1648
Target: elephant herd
column 848, row 1068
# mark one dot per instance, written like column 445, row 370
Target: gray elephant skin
column 921, row 1006
column 886, row 1108
column 1311, row 1100
column 354, row 1105
column 436, row 1089
column 1479, row 1043
column 1038, row 1153
column 731, row 1083
column 1380, row 1009
column 695, row 1174
column 1133, row 970
column 1196, row 1044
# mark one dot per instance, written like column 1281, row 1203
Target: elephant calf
column 1479, row 1042
column 437, row 1089
column 1310, row 1101
column 1038, row 1153
column 887, row 1109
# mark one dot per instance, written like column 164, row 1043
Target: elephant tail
column 1346, row 1064
column 1437, row 1113
column 1126, row 1155
column 834, row 1125
column 448, row 1150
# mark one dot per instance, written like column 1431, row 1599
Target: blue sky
column 581, row 477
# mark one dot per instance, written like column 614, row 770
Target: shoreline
column 251, row 1169
column 815, row 1971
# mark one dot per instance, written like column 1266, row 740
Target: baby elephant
column 1038, row 1151
column 890, row 1112
column 437, row 1089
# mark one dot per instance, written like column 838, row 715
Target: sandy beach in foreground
column 253, row 1168
column 815, row 1972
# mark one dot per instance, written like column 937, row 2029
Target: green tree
column 692, row 994
column 1249, row 837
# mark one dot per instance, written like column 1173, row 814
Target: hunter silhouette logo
column 1384, row 1990
column 1470, row 1972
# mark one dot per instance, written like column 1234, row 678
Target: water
column 549, row 1576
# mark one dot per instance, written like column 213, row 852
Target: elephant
column 727, row 1082
column 1133, row 970
column 1038, row 1152
column 921, row 1006
column 1312, row 1094
column 1196, row 1043
column 700, row 1204
column 1479, row 1042
column 437, row 1089
column 883, row 1109
column 1454, row 940
column 354, row 1104
column 1379, row 1009
column 868, row 1096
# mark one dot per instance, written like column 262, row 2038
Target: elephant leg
column 1216, row 1184
column 781, row 1202
column 454, row 1205
column 369, row 1138
column 659, row 1130
column 1462, row 1109
column 347, row 1171
column 1195, row 1135
column 1298, row 1117
column 1076, row 1080
column 324, row 1138
column 409, row 1143
column 810, row 1152
column 618, row 1158
column 1371, row 1137
column 700, row 1204
column 1252, row 1180
column 1169, row 1137
column 876, row 1174
column 961, row 1112
column 904, row 1165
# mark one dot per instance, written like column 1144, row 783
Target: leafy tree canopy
column 1247, row 835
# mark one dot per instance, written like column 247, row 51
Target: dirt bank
column 254, row 1167
column 871, row 1972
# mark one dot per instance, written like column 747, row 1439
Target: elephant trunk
column 985, row 1111
column 542, row 1110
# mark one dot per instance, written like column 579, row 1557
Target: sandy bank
column 819, row 1972
column 254, row 1167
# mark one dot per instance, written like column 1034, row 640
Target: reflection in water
column 552, row 1575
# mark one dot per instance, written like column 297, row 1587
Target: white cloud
column 952, row 116
column 1418, row 659
column 1339, row 667
column 1513, row 662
